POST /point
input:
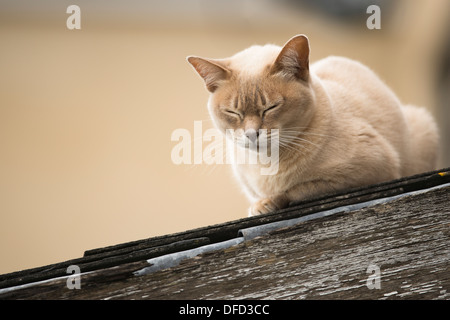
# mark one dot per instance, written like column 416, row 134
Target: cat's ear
column 293, row 60
column 212, row 71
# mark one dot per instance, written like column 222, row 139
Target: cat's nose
column 252, row 135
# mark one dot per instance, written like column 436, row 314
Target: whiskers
column 206, row 150
column 295, row 139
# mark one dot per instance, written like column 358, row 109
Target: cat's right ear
column 293, row 60
column 212, row 71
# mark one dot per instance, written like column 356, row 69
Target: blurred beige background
column 86, row 115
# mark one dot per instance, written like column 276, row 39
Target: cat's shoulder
column 337, row 62
column 336, row 66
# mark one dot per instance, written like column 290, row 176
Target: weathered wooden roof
column 390, row 240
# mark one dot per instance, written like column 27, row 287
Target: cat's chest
column 263, row 183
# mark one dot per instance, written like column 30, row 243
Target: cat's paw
column 261, row 207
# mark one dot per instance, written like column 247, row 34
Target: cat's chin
column 258, row 148
column 250, row 147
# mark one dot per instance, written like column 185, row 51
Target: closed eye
column 233, row 113
column 270, row 108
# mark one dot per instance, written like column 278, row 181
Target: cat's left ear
column 293, row 60
column 212, row 71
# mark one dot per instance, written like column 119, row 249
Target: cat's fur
column 339, row 125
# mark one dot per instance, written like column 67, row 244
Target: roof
column 385, row 241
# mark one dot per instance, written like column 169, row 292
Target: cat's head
column 259, row 89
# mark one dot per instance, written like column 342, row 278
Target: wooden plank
column 118, row 254
column 408, row 239
column 47, row 289
column 228, row 230
column 94, row 262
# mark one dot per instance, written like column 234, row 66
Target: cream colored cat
column 339, row 126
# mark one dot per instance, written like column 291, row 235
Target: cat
column 338, row 125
